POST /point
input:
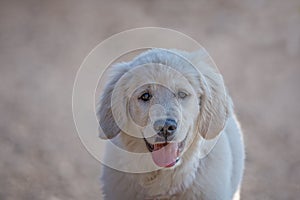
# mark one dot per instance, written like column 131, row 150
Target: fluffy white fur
column 209, row 117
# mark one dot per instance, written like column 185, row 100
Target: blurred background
column 255, row 43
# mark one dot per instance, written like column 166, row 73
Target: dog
column 172, row 108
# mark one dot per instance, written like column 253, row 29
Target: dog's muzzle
column 165, row 151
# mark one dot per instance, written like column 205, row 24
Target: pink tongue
column 165, row 156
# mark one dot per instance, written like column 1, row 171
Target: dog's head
column 161, row 100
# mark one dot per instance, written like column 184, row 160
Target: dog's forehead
column 159, row 74
column 153, row 86
column 154, row 71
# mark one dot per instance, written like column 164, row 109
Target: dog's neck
column 177, row 179
column 180, row 178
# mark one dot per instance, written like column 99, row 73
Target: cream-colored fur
column 207, row 118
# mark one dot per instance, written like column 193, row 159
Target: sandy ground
column 256, row 45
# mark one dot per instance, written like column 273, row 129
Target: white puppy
column 172, row 108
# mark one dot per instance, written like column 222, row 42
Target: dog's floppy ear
column 214, row 102
column 108, row 128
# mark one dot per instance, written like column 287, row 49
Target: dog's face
column 165, row 110
column 160, row 107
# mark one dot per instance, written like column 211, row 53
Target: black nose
column 165, row 128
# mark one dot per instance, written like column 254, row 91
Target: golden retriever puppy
column 169, row 111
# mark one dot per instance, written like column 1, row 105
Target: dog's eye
column 145, row 97
column 182, row 95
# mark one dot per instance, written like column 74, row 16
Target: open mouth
column 165, row 154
